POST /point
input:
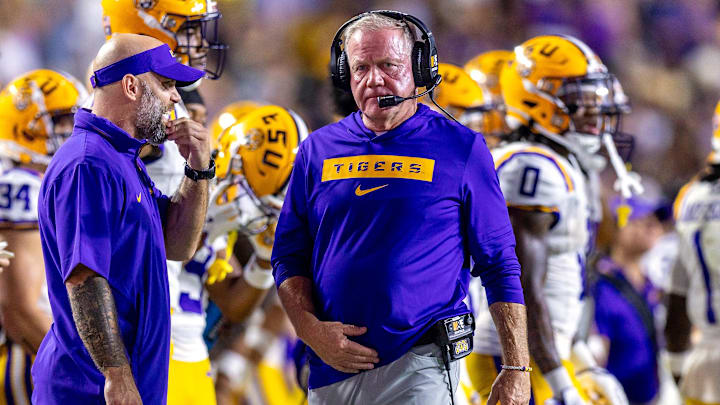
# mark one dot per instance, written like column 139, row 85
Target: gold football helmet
column 485, row 69
column 228, row 116
column 559, row 88
column 714, row 158
column 257, row 154
column 31, row 107
column 189, row 27
column 457, row 93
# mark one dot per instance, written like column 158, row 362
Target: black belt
column 431, row 336
column 454, row 336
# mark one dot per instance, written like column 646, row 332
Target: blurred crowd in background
column 664, row 52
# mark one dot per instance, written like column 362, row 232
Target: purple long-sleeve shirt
column 383, row 226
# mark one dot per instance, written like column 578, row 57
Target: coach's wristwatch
column 196, row 175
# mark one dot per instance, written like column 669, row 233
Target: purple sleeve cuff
column 163, row 203
column 500, row 272
column 507, row 289
column 282, row 272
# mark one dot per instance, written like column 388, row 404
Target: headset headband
column 395, row 15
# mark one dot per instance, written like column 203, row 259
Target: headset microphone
column 390, row 101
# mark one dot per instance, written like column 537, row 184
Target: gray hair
column 377, row 22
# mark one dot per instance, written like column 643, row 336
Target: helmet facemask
column 488, row 119
column 60, row 130
column 256, row 212
column 198, row 42
column 593, row 104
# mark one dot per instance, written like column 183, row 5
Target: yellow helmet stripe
column 152, row 23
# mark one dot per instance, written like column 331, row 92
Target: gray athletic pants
column 416, row 378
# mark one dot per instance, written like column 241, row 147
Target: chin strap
column 587, row 160
column 627, row 183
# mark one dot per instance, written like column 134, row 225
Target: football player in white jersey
column 254, row 162
column 695, row 284
column 36, row 116
column 563, row 105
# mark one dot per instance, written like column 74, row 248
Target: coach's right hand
column 120, row 387
column 329, row 341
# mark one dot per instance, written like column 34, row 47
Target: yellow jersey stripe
column 534, row 150
column 677, row 205
column 539, row 208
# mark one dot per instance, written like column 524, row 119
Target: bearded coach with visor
column 383, row 211
column 107, row 231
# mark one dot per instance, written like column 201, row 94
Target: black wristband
column 196, row 175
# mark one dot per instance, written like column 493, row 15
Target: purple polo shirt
column 99, row 207
column 384, row 226
column 633, row 355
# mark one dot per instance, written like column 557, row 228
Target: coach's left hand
column 192, row 140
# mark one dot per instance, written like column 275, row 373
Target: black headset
column 423, row 57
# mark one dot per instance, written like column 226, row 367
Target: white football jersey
column 697, row 272
column 187, row 293
column 19, row 193
column 534, row 177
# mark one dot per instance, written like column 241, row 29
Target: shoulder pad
column 533, row 177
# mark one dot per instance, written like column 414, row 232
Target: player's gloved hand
column 568, row 396
column 218, row 271
column 601, row 387
column 263, row 242
column 629, row 184
column 564, row 392
column 222, row 217
column 5, row 255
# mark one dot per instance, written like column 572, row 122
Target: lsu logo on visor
column 378, row 167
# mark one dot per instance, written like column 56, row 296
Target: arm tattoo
column 93, row 309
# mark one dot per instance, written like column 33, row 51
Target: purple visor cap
column 640, row 207
column 159, row 60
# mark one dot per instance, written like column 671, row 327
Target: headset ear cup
column 417, row 63
column 426, row 71
column 343, row 70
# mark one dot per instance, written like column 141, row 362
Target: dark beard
column 149, row 123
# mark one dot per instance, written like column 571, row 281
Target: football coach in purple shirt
column 383, row 212
column 107, row 231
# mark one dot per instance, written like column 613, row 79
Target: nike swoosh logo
column 361, row 193
column 139, row 197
